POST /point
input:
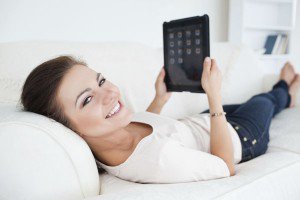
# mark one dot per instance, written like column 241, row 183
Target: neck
column 121, row 140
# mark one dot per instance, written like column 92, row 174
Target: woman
column 147, row 147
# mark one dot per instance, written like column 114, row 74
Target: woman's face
column 87, row 99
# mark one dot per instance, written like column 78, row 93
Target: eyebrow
column 87, row 89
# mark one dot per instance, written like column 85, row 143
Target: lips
column 115, row 110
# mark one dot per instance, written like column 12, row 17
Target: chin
column 129, row 114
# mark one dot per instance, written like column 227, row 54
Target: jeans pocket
column 247, row 141
column 261, row 147
column 254, row 142
column 244, row 134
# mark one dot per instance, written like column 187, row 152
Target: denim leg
column 279, row 95
column 252, row 119
column 261, row 107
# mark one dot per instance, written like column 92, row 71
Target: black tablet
column 186, row 44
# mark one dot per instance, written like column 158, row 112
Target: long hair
column 39, row 92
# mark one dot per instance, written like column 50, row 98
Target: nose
column 108, row 97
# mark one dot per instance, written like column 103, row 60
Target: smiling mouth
column 115, row 110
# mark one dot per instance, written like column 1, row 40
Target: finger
column 214, row 64
column 162, row 71
column 161, row 75
column 213, row 61
column 207, row 64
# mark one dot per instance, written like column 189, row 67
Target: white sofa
column 42, row 159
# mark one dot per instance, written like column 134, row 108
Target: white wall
column 295, row 46
column 122, row 20
column 99, row 20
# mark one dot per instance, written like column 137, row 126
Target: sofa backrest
column 133, row 67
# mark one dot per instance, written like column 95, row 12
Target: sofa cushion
column 285, row 130
column 274, row 175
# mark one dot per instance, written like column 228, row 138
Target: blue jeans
column 252, row 119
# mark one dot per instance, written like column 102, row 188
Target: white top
column 174, row 152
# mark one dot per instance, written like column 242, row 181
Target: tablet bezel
column 204, row 20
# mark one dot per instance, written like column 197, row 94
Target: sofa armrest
column 39, row 156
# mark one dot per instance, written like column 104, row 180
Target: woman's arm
column 161, row 96
column 156, row 106
column 220, row 139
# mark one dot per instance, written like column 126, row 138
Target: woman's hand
column 211, row 78
column 161, row 95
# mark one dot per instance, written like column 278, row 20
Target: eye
column 88, row 99
column 101, row 81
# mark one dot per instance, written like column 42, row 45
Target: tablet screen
column 184, row 54
column 186, row 45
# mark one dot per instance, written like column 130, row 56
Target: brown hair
column 39, row 92
column 40, row 88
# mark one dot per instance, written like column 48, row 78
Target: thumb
column 161, row 75
column 162, row 72
column 207, row 64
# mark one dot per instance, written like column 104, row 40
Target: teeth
column 113, row 110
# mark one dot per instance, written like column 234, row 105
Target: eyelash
column 85, row 100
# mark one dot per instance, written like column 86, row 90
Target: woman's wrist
column 214, row 97
column 156, row 106
column 215, row 103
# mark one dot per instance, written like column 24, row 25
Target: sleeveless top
column 176, row 151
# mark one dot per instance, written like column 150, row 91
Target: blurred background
column 248, row 22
